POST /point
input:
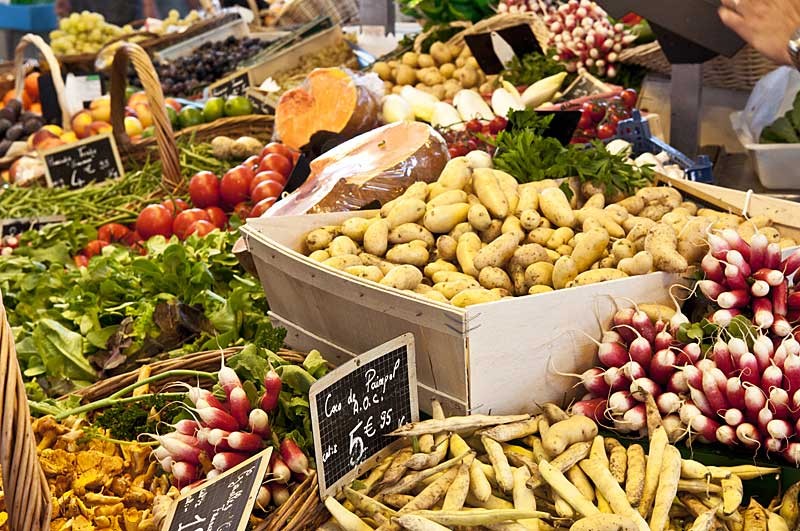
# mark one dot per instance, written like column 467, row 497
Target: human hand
column 766, row 24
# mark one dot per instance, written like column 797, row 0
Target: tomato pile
column 599, row 118
column 461, row 142
column 246, row 191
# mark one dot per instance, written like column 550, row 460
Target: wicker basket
column 740, row 72
column 256, row 125
column 497, row 22
column 303, row 511
column 55, row 71
column 302, row 11
column 27, row 495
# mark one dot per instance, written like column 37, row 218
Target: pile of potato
column 443, row 71
column 476, row 235
column 553, row 470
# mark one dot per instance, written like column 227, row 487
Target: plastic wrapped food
column 330, row 99
column 375, row 166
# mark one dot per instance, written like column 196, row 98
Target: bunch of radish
column 584, row 38
column 225, row 433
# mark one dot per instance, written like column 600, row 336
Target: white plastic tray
column 777, row 165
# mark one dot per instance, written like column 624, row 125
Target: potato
column 414, row 253
column 408, row 232
column 493, row 232
column 528, row 198
column 657, row 312
column 563, row 434
column 450, row 276
column 460, row 229
column 640, row 264
column 405, row 75
column 469, row 297
column 597, row 200
column 410, row 59
column 633, row 204
column 660, row 195
column 622, row 249
column 439, row 91
column 552, row 255
column 556, row 208
column 528, row 254
column 676, row 218
column 447, row 70
column 535, row 290
column 545, row 223
column 597, row 275
column 529, row 219
column 564, row 271
column 539, row 273
column 342, row 245
column 407, row 210
column 604, row 522
column 487, row 187
column 692, row 244
column 383, row 70
column 608, row 261
column 617, row 213
column 469, row 244
column 403, row 277
column 559, row 237
column 440, row 53
column 438, row 266
column 479, row 217
column 446, row 247
column 450, row 197
column 513, row 225
column 604, row 218
column 540, row 235
column 661, row 242
column 451, row 288
column 354, row 228
column 372, row 273
column 319, row 239
column 772, row 234
column 443, row 218
column 510, row 188
column 690, row 207
column 786, row 243
column 494, row 277
column 424, row 60
column 467, row 76
column 343, row 261
column 589, row 248
column 727, row 221
column 498, row 252
column 376, row 237
column 320, row 255
column 564, row 250
column 455, row 175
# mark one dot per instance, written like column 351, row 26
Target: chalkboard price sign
column 93, row 159
column 235, row 85
column 16, row 226
column 224, row 502
column 355, row 406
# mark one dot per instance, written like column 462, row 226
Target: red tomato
column 268, row 175
column 152, row 220
column 200, row 227
column 629, row 98
column 133, row 238
column 275, row 162
column 175, row 205
column 596, row 110
column 277, row 147
column 80, row 260
column 183, row 220
column 266, row 189
column 204, row 189
column 112, row 232
column 217, row 216
column 94, row 247
column 242, row 210
column 261, row 207
column 606, row 130
column 235, row 185
column 252, row 162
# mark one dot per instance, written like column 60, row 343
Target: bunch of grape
column 84, row 32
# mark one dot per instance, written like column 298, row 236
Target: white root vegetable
column 560, row 484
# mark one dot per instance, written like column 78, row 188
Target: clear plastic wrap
column 330, row 99
column 375, row 166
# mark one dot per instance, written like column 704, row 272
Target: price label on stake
column 16, row 226
column 222, row 503
column 355, row 406
column 93, row 159
column 235, row 85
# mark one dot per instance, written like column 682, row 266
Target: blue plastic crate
column 35, row 18
column 637, row 131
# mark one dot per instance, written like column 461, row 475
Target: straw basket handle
column 55, row 70
column 27, row 496
column 171, row 167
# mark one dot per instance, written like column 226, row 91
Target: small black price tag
column 355, row 406
column 91, row 160
column 224, row 502
column 234, row 85
column 520, row 38
column 16, row 226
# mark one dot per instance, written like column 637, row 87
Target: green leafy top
column 441, row 11
column 533, row 67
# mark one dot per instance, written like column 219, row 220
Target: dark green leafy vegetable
column 440, row 11
column 533, row 67
column 785, row 129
